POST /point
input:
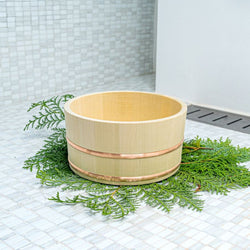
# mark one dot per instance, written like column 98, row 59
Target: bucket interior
column 125, row 106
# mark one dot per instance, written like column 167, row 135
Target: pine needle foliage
column 207, row 165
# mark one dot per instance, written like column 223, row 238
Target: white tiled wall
column 53, row 46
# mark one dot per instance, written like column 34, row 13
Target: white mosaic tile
column 225, row 246
column 30, row 221
column 50, row 47
column 189, row 243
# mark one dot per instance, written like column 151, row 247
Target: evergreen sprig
column 215, row 166
column 50, row 112
column 207, row 165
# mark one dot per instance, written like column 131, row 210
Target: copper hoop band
column 123, row 156
column 122, row 179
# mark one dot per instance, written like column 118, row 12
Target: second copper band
column 122, row 178
column 123, row 156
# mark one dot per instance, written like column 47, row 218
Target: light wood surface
column 125, row 123
column 125, row 106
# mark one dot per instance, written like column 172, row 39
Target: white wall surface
column 203, row 52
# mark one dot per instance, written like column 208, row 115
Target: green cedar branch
column 50, row 114
column 207, row 165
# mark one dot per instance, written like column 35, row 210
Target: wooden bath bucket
column 125, row 138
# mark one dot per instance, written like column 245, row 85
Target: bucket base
column 115, row 180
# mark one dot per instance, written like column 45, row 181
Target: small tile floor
column 28, row 220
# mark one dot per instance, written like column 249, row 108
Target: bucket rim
column 182, row 111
